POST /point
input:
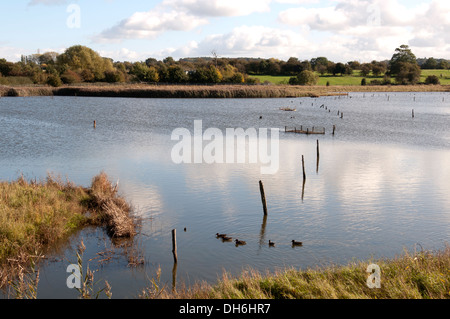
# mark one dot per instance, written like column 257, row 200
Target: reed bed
column 209, row 91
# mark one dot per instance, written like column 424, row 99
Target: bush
column 54, row 80
column 305, row 78
column 432, row 79
column 70, row 77
column 364, row 82
column 114, row 76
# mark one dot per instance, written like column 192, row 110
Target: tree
column 408, row 73
column 443, row 65
column 366, row 68
column 319, row 61
column 305, row 78
column 144, row 73
column 176, row 74
column 78, row 58
column 403, row 55
column 430, row 64
column 378, row 68
column 339, row 68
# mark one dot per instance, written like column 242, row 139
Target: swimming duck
column 240, row 242
column 297, row 243
column 220, row 235
column 226, row 238
column 271, row 243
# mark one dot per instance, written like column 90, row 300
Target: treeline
column 80, row 64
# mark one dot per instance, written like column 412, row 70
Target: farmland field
column 354, row 79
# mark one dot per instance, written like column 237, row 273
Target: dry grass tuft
column 113, row 211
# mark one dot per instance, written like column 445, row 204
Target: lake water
column 382, row 184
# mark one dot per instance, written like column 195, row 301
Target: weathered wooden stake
column 334, row 128
column 318, row 151
column 413, row 113
column 318, row 155
column 263, row 197
column 342, row 115
column 95, row 124
column 174, row 245
column 303, row 166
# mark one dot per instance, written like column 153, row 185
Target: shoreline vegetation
column 36, row 215
column 413, row 275
column 208, row 91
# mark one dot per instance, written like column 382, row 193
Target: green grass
column 354, row 79
column 421, row 275
column 445, row 79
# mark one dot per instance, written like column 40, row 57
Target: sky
column 134, row 30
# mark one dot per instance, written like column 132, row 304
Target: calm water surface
column 382, row 183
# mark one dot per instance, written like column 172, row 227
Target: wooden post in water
column 334, row 129
column 303, row 166
column 342, row 115
column 318, row 155
column 263, row 197
column 413, row 113
column 95, row 124
column 318, row 150
column 174, row 245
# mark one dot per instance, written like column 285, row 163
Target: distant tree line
column 80, row 64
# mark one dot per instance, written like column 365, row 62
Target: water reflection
column 378, row 185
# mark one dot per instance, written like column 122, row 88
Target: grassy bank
column 36, row 215
column 213, row 91
column 409, row 276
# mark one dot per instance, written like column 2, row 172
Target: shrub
column 364, row 82
column 432, row 79
column 70, row 77
column 305, row 78
column 114, row 76
column 54, row 80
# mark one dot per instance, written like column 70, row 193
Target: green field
column 354, row 79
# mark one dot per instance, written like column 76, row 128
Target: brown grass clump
column 113, row 211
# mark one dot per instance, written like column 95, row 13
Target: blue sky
column 342, row 30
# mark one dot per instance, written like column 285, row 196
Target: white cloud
column 297, row 1
column 219, row 8
column 47, row 2
column 253, row 41
column 373, row 29
column 149, row 25
column 178, row 15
